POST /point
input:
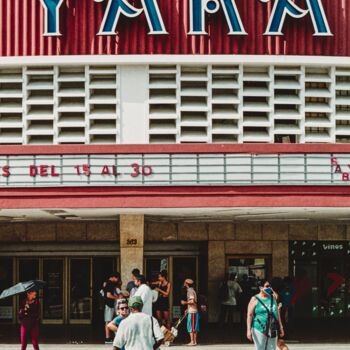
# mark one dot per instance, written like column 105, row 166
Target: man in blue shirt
column 122, row 311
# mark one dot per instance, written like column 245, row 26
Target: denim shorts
column 109, row 313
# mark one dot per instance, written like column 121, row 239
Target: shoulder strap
column 270, row 312
column 154, row 337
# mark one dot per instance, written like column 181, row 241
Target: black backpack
column 202, row 304
column 223, row 291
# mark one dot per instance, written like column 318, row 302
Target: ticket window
column 248, row 270
column 6, row 281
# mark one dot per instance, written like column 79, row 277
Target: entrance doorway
column 178, row 268
column 73, row 285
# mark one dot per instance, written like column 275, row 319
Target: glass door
column 183, row 268
column 53, row 295
column 102, row 267
column 153, row 266
column 80, row 290
column 6, row 281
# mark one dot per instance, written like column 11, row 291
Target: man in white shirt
column 139, row 331
column 145, row 293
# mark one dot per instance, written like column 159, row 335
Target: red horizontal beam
column 257, row 148
column 179, row 197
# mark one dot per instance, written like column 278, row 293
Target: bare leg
column 107, row 331
column 195, row 338
column 166, row 317
column 159, row 317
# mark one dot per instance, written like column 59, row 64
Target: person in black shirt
column 110, row 294
column 131, row 286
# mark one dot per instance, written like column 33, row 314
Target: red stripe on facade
column 177, row 149
column 176, row 197
column 21, row 31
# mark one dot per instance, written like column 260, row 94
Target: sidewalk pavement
column 205, row 347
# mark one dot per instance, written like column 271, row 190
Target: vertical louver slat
column 11, row 99
column 194, row 99
column 225, row 104
column 342, row 105
column 103, row 104
column 71, row 124
column 318, row 107
column 287, row 104
column 39, row 101
column 256, row 104
column 163, row 104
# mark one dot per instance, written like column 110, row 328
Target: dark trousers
column 30, row 331
column 227, row 313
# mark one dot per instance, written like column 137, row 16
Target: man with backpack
column 264, row 323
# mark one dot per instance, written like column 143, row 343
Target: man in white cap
column 192, row 311
column 139, row 331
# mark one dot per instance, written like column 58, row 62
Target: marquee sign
column 174, row 170
column 198, row 11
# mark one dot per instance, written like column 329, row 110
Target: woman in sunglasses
column 122, row 311
column 264, row 323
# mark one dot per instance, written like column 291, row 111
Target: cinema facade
column 201, row 137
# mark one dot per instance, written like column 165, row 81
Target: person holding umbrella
column 29, row 311
column 29, row 316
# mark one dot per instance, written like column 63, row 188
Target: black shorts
column 162, row 304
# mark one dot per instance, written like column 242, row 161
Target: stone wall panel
column 192, row 231
column 275, row 232
column 41, row 232
column 248, row 232
column 221, row 231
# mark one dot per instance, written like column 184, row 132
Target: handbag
column 272, row 325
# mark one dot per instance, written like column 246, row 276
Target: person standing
column 229, row 305
column 192, row 312
column 131, row 286
column 162, row 304
column 110, row 297
column 29, row 317
column 139, row 331
column 145, row 292
column 263, row 319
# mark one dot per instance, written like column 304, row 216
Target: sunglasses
column 123, row 308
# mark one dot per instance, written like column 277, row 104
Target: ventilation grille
column 58, row 105
column 244, row 103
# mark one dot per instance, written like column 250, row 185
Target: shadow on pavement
column 305, row 332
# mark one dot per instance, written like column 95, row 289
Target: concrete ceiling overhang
column 251, row 214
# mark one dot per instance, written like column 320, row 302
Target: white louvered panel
column 342, row 105
column 71, row 124
column 103, row 107
column 318, row 104
column 39, row 105
column 287, row 104
column 225, row 100
column 11, row 99
column 195, row 97
column 257, row 104
column 163, row 104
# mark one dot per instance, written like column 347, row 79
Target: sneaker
column 108, row 341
